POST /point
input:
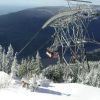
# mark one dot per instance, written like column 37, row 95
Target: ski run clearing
column 61, row 91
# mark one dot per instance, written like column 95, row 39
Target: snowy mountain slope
column 56, row 91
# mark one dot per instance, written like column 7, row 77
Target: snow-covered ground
column 55, row 91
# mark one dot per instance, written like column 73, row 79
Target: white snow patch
column 4, row 79
column 55, row 91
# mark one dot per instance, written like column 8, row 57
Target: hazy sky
column 39, row 2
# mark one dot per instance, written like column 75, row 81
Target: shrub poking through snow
column 5, row 80
column 33, row 83
column 38, row 80
column 44, row 82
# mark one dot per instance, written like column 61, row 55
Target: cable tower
column 71, row 33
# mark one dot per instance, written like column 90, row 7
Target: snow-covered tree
column 1, row 56
column 93, row 77
column 38, row 60
column 35, row 65
column 15, row 66
column 22, row 70
column 9, row 58
column 31, row 67
column 54, row 73
column 33, row 83
column 5, row 80
column 4, row 62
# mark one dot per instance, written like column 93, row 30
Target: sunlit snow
column 56, row 91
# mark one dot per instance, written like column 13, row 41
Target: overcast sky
column 39, row 2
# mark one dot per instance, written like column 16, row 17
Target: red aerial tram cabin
column 52, row 54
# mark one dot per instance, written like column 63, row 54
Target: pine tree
column 35, row 65
column 1, row 56
column 15, row 66
column 31, row 67
column 22, row 70
column 38, row 60
column 38, row 64
column 9, row 59
column 4, row 61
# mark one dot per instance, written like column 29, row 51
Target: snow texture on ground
column 55, row 91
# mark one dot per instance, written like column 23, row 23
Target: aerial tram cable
column 28, row 43
column 60, row 30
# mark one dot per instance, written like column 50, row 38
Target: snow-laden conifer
column 9, row 58
column 1, row 57
column 15, row 66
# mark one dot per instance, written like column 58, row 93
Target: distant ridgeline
column 18, row 28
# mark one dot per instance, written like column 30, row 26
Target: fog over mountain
column 6, row 9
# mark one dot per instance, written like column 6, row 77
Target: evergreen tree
column 14, row 68
column 31, row 67
column 4, row 61
column 38, row 64
column 9, row 59
column 54, row 73
column 22, row 70
column 1, row 56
